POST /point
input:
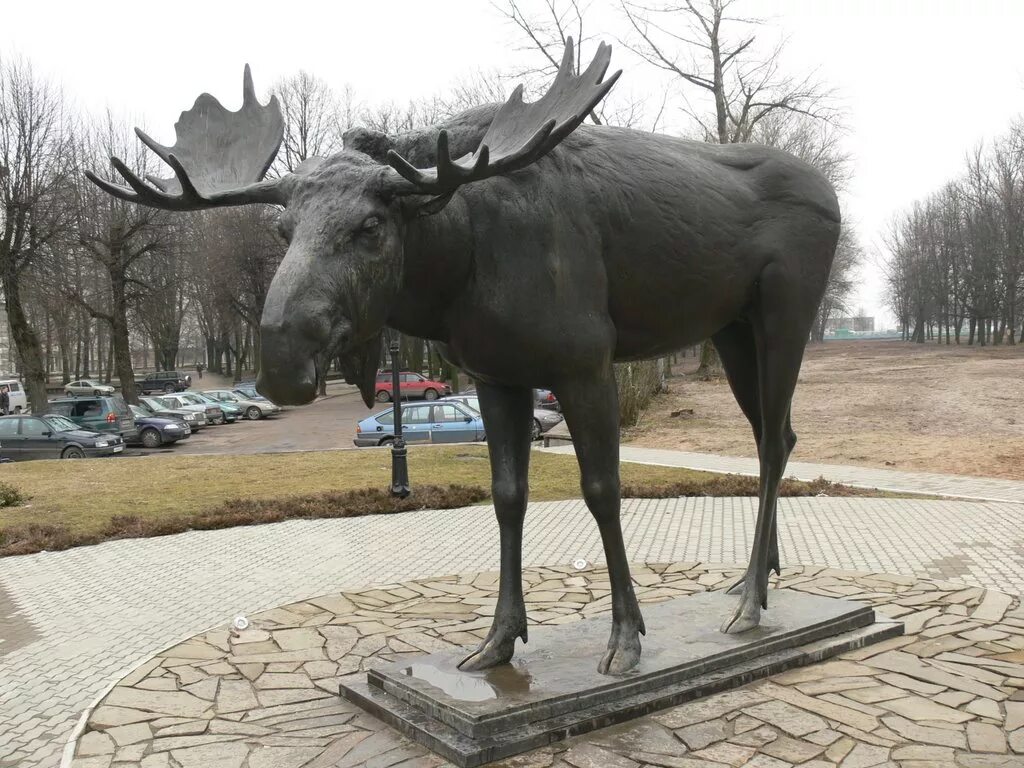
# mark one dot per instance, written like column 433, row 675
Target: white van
column 16, row 393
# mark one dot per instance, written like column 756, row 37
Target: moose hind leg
column 592, row 414
column 508, row 413
column 781, row 322
column 737, row 349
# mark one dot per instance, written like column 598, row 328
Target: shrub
column 738, row 485
column 637, row 383
column 10, row 496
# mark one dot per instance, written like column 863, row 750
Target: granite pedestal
column 552, row 689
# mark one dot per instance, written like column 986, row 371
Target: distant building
column 850, row 325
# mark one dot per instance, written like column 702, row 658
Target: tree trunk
column 26, row 342
column 119, row 337
column 710, row 363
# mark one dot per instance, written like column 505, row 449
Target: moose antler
column 520, row 133
column 218, row 159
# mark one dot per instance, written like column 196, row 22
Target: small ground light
column 240, row 623
column 580, row 563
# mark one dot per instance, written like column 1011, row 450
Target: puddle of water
column 472, row 686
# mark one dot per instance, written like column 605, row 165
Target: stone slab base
column 552, row 690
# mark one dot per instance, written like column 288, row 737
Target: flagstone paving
column 72, row 623
column 948, row 693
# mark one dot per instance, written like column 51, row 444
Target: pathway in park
column 72, row 623
column 960, row 486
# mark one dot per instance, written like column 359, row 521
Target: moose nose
column 288, row 374
column 292, row 385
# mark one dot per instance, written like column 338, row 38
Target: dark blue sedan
column 155, row 431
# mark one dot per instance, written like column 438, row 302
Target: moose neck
column 436, row 270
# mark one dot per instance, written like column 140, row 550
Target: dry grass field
column 933, row 408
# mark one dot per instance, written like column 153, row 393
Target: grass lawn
column 82, row 497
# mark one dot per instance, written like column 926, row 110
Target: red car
column 413, row 385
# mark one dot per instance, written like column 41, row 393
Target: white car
column 87, row 387
column 16, row 398
column 253, row 409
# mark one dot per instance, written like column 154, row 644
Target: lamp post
column 399, row 465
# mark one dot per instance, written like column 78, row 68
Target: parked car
column 440, row 422
column 247, row 389
column 232, row 412
column 253, row 408
column 105, row 413
column 87, row 387
column 17, row 399
column 157, row 406
column 213, row 413
column 23, row 438
column 155, row 431
column 413, row 385
column 163, row 381
column 545, row 398
column 543, row 420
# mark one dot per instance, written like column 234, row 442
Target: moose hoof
column 493, row 653
column 497, row 649
column 623, row 652
column 747, row 616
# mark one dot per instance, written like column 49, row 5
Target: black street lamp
column 399, row 465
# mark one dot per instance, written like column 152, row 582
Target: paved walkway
column 960, row 486
column 77, row 621
column 267, row 697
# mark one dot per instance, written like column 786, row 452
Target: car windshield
column 192, row 397
column 159, row 402
column 60, row 424
column 140, row 410
column 230, row 397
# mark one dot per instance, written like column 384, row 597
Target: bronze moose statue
column 543, row 253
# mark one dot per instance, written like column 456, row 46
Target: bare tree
column 315, row 117
column 35, row 167
column 695, row 43
column 115, row 236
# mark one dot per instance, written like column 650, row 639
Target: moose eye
column 370, row 224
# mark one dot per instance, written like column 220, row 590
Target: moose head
column 345, row 217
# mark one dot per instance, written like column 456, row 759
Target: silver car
column 252, row 408
column 87, row 387
column 543, row 419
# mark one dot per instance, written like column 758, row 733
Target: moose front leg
column 508, row 415
column 591, row 411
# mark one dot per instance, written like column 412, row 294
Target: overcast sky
column 922, row 81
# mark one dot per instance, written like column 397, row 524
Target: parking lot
column 330, row 422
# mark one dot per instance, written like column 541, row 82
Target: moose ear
column 372, row 143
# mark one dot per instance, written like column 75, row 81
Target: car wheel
column 253, row 413
column 151, row 438
column 430, row 394
column 97, row 393
column 169, row 389
column 383, row 396
column 535, row 435
column 17, row 409
column 73, row 452
column 386, row 441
